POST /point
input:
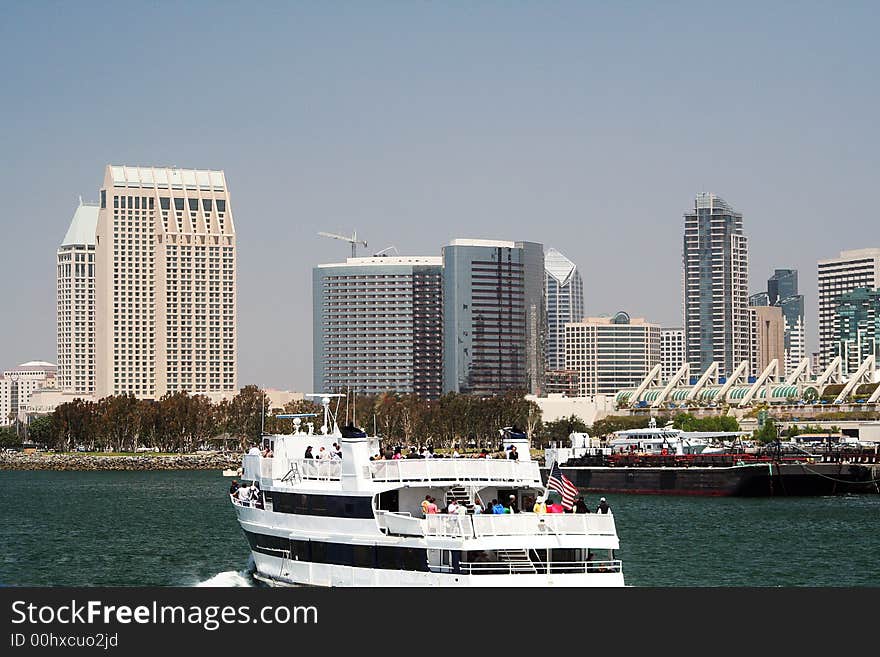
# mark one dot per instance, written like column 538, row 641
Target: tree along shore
column 183, row 424
column 90, row 462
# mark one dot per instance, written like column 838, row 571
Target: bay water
column 177, row 528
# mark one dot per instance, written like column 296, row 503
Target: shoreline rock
column 92, row 462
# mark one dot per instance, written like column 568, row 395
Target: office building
column 611, row 353
column 165, row 284
column 494, row 324
column 767, row 338
column 716, row 278
column 19, row 383
column 378, row 324
column 6, row 414
column 562, row 382
column 564, row 295
column 759, row 299
column 672, row 351
column 782, row 291
column 75, row 302
column 858, row 322
column 837, row 276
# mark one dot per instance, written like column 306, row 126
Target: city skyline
column 418, row 125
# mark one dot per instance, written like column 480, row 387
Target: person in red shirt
column 555, row 507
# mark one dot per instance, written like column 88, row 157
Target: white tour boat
column 352, row 521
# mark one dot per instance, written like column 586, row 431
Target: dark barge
column 741, row 475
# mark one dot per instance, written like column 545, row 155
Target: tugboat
column 354, row 518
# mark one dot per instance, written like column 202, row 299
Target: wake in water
column 233, row 578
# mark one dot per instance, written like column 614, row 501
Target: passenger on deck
column 322, row 453
column 396, row 454
column 308, row 454
column 337, row 451
column 478, row 508
column 497, row 507
column 591, row 557
column 267, row 453
column 256, row 496
column 540, row 505
column 580, row 506
column 255, row 450
column 512, row 454
column 512, row 505
column 452, row 507
column 428, row 505
column 233, row 487
column 603, row 506
column 555, row 507
column 461, row 510
column 244, row 494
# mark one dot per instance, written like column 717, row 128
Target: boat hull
column 750, row 480
column 278, row 571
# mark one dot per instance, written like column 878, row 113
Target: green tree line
column 182, row 422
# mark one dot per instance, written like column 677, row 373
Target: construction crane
column 353, row 240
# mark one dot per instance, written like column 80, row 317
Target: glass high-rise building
column 494, row 324
column 858, row 322
column 378, row 324
column 716, row 279
column 564, row 294
column 859, row 268
column 782, row 291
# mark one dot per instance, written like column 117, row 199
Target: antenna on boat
column 327, row 428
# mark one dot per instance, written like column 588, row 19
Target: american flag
column 560, row 483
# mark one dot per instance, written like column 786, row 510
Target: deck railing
column 400, row 524
column 403, row 470
column 540, row 568
column 253, row 504
column 521, row 524
column 318, row 469
column 455, row 470
column 453, row 526
column 478, row 526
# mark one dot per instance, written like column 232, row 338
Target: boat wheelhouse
column 354, row 521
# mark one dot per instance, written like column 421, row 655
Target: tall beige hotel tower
column 165, row 284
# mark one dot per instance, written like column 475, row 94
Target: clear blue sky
column 585, row 126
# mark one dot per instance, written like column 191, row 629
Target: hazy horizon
column 586, row 128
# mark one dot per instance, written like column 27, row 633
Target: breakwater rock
column 78, row 461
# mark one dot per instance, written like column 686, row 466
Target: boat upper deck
column 432, row 471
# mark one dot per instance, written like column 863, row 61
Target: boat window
column 363, row 556
column 319, row 551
